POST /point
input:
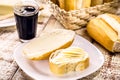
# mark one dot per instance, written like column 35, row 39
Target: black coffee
column 26, row 23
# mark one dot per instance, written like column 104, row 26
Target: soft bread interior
column 43, row 46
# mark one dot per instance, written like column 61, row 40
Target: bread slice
column 41, row 47
column 105, row 29
column 68, row 60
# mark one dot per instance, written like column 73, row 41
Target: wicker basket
column 77, row 19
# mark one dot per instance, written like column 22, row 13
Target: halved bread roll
column 105, row 29
column 68, row 60
column 41, row 47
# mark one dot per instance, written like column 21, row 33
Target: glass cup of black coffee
column 26, row 17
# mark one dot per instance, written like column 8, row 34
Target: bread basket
column 76, row 19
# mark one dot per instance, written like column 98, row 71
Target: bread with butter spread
column 68, row 60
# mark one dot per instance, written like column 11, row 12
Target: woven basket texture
column 76, row 19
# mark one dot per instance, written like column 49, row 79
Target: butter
column 68, row 60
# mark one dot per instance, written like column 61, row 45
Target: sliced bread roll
column 68, row 60
column 105, row 29
column 41, row 48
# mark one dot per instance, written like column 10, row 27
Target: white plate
column 7, row 22
column 6, row 10
column 39, row 70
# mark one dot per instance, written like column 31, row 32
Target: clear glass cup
column 26, row 17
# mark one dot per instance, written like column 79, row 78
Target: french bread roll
column 67, row 4
column 105, row 1
column 74, row 4
column 105, row 29
column 96, row 2
column 55, row 1
column 64, row 61
column 40, row 48
column 84, row 4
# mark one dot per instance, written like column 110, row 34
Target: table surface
column 9, row 70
